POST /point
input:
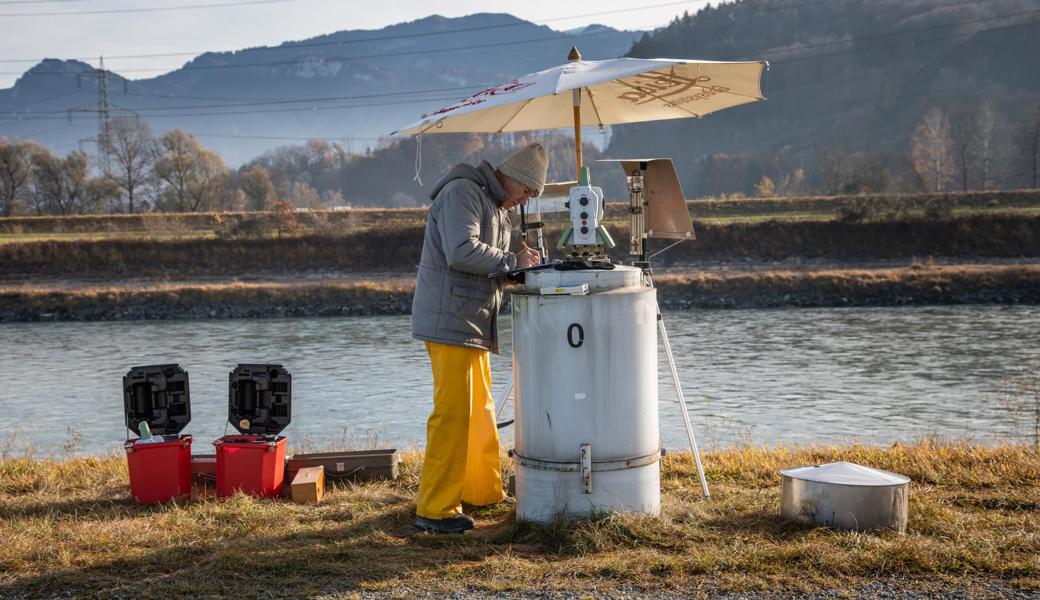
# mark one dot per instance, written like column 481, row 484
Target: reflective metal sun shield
column 845, row 496
column 657, row 206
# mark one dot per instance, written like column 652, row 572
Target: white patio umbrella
column 622, row 90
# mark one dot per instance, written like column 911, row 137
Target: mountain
column 843, row 74
column 242, row 103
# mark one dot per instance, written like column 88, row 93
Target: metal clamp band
column 574, row 467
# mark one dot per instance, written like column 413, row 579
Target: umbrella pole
column 572, row 56
column 577, row 134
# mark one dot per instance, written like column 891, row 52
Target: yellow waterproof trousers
column 462, row 460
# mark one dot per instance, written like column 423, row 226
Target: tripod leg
column 503, row 399
column 682, row 404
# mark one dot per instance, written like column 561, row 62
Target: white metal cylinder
column 585, row 371
column 845, row 496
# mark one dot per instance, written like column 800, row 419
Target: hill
column 242, row 103
column 845, row 74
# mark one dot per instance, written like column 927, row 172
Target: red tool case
column 158, row 395
column 259, row 407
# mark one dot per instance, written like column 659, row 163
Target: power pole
column 104, row 111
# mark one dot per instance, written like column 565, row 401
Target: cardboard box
column 308, row 485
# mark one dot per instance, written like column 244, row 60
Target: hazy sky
column 266, row 22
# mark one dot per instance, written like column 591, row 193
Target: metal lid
column 259, row 398
column 845, row 473
column 598, row 280
column 159, row 395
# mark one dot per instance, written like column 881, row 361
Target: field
column 974, row 524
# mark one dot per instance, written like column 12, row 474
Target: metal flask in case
column 845, row 495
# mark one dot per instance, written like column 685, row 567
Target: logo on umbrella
column 658, row 86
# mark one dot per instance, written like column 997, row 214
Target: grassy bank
column 397, row 248
column 324, row 222
column 70, row 528
column 915, row 284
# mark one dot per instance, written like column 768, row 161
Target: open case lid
column 259, row 399
column 666, row 213
column 159, row 395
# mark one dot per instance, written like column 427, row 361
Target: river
column 761, row 377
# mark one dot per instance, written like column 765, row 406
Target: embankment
column 924, row 284
column 976, row 236
column 871, row 205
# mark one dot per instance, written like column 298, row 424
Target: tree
column 964, row 134
column 256, row 184
column 930, row 150
column 192, row 177
column 988, row 126
column 64, row 185
column 131, row 149
column 304, row 196
column 15, row 172
column 1027, row 138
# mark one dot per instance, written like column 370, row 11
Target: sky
column 246, row 23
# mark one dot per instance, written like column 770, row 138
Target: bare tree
column 304, row 196
column 192, row 177
column 64, row 185
column 831, row 168
column 1027, row 138
column 965, row 135
column 989, row 123
column 256, row 184
column 15, row 172
column 131, row 149
column 931, row 150
column 975, row 130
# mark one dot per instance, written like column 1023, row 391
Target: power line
column 812, row 57
column 39, row 1
column 346, row 138
column 381, row 38
column 144, row 10
column 423, row 100
column 906, row 43
column 907, row 32
column 264, row 111
column 256, row 102
column 324, row 59
column 498, row 44
column 260, row 102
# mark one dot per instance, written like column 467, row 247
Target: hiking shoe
column 456, row 524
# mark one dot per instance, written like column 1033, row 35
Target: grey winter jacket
column 467, row 238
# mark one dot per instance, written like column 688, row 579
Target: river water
column 761, row 377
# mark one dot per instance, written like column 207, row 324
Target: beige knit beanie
column 527, row 166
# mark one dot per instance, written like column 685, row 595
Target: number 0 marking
column 570, row 335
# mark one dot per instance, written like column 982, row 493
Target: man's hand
column 527, row 257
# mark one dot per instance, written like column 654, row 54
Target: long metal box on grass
column 259, row 407
column 159, row 396
column 204, row 468
column 355, row 465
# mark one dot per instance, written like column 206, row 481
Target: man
column 455, row 313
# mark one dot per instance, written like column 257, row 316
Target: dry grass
column 341, row 222
column 69, row 527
